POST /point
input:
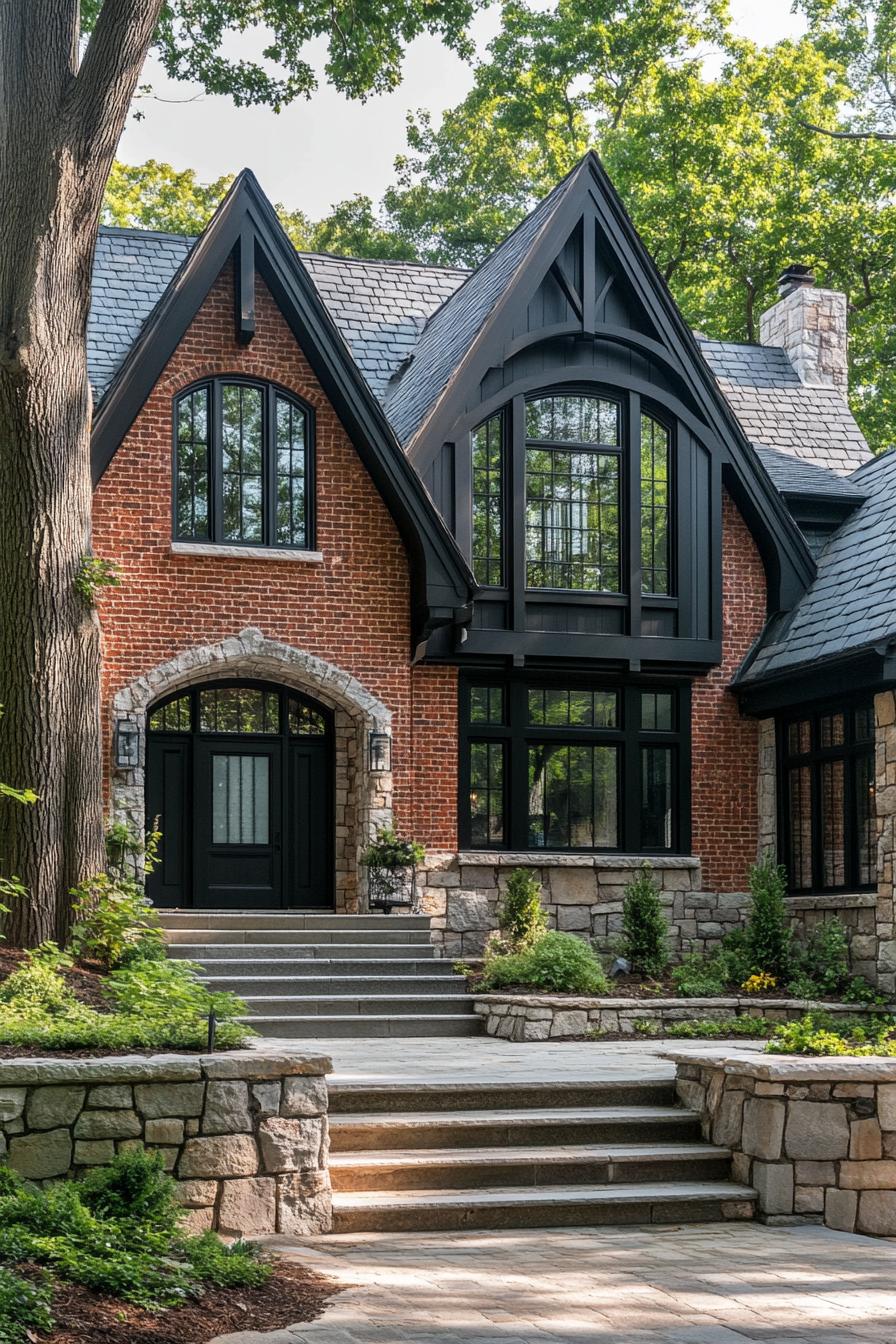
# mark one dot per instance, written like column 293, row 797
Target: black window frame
column 849, row 751
column 271, row 391
column 517, row 734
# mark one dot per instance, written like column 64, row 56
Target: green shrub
column 823, row 1034
column 234, row 1266
column 113, row 916
column 24, row 1308
column 644, row 932
column 559, row 961
column 768, row 938
column 711, row 1029
column 824, row 957
column 802, row 986
column 702, row 977
column 134, row 1189
column 116, row 1232
column 156, row 1005
column 521, row 917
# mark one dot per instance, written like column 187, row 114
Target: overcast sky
column 318, row 152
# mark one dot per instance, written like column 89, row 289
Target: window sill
column 225, row 552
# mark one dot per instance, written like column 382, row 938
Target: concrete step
column 337, row 986
column 376, row 1005
column 574, row 1164
column 556, row 1206
column 386, row 936
column 286, row 919
column 250, row 970
column 511, row 1127
column 357, row 1026
column 351, row 952
column 379, row 1098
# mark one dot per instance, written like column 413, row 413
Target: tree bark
column 59, row 127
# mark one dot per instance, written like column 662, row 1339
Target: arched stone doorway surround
column 363, row 800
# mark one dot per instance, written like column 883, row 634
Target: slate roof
column 851, row 603
column 131, row 271
column 794, row 476
column 777, row 409
column 380, row 307
column 449, row 333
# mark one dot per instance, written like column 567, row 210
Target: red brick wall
column 353, row 610
column 725, row 746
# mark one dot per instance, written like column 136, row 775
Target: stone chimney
column 810, row 324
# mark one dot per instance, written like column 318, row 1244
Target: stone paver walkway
column 706, row 1284
column 483, row 1059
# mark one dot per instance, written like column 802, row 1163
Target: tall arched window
column 243, row 465
column 655, row 549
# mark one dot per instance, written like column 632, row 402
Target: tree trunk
column 58, row 132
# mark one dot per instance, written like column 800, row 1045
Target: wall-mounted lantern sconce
column 380, row 753
column 127, row 745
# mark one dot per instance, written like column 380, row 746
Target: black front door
column 238, row 803
column 240, row 779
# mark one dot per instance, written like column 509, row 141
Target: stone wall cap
column 792, row 1068
column 540, row 858
column 648, row 1004
column 861, row 900
column 252, row 1065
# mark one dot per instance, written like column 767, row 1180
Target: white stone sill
column 546, row 858
column 860, row 900
column 791, row 1068
column 216, row 552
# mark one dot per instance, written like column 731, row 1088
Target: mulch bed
column 85, row 979
column 292, row 1295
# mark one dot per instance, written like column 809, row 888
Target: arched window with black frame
column 243, row 465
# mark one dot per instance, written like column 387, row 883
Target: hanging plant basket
column 391, row 864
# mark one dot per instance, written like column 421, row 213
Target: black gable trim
column 442, row 582
column 588, row 192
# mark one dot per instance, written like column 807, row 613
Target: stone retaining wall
column 556, row 1017
column 816, row 1138
column 583, row 894
column 245, row 1135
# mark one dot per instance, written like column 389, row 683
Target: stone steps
column 445, row 1156
column 570, row 1164
column 313, row 975
column 557, row 1206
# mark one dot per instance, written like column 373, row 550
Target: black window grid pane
column 573, row 796
column 487, row 793
column 487, row 704
column 572, row 519
column 573, row 418
column 866, row 838
column 173, row 717
column 657, row 797
column 242, row 462
column 488, row 502
column 562, row 707
column 305, row 721
column 655, row 549
column 239, row 709
column 291, row 473
column 192, row 481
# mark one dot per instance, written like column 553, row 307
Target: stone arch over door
column 363, row 800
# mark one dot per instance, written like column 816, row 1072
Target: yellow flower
column 759, row 983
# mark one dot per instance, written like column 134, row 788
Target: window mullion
column 215, row 464
column 631, row 484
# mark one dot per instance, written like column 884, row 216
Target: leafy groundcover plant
column 114, row 1231
column 822, row 1034
column 557, row 962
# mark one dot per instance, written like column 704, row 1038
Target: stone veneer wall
column 245, row 1135
column 583, row 894
column 558, row 1017
column 816, row 1138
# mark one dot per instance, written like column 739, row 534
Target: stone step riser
column 350, row 986
column 385, row 937
column 330, row 952
column 566, row 1213
column 205, row 919
column 245, row 973
column 352, row 1098
column 347, row 1136
column 418, row 1005
column 342, row 1027
column 456, row 1174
